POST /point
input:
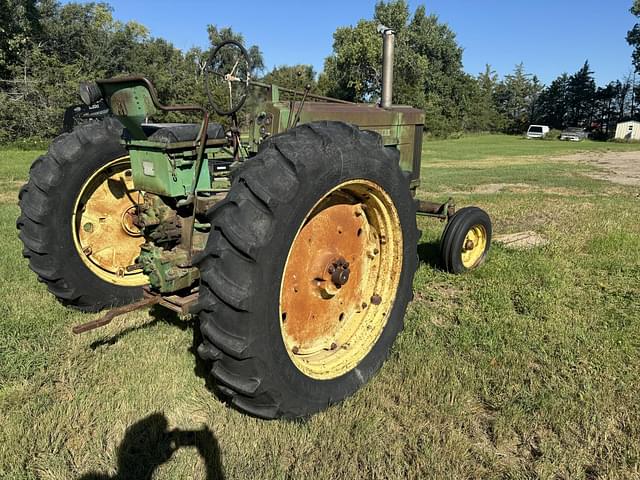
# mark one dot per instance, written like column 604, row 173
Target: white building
column 628, row 131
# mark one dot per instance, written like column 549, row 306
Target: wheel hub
column 105, row 233
column 474, row 246
column 347, row 254
column 339, row 271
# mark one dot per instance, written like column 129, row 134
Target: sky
column 549, row 36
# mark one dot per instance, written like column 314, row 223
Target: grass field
column 527, row 368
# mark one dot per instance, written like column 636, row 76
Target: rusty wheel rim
column 340, row 279
column 104, row 234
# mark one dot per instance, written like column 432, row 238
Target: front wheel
column 466, row 240
column 308, row 271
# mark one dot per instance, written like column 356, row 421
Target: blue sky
column 549, row 36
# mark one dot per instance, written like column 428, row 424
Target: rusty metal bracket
column 180, row 305
column 442, row 211
column 113, row 313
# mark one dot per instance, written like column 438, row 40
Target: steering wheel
column 227, row 77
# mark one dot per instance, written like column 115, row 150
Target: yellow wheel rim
column 474, row 246
column 104, row 234
column 340, row 279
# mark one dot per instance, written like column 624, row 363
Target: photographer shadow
column 148, row 443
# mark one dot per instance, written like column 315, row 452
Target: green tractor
column 293, row 237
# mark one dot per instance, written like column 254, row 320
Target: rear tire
column 47, row 203
column 244, row 264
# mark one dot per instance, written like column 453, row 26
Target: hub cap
column 104, row 232
column 474, row 245
column 341, row 279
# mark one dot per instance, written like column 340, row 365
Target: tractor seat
column 180, row 132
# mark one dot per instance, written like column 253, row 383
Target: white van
column 537, row 131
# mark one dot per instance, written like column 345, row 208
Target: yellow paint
column 332, row 351
column 106, row 242
column 474, row 246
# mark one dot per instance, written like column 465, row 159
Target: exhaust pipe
column 388, row 44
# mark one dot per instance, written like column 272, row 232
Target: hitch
column 442, row 211
column 176, row 303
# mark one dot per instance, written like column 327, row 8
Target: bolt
column 376, row 299
column 469, row 245
column 127, row 173
column 376, row 251
column 364, row 305
column 332, row 269
column 88, row 227
column 334, row 345
column 345, row 264
column 87, row 251
column 383, row 240
column 295, row 350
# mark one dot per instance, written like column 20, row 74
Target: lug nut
column 87, row 251
column 334, row 345
column 295, row 350
column 376, row 300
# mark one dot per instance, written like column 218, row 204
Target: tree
column 515, row 99
column 581, row 91
column 19, row 21
column 552, row 103
column 46, row 48
column 296, row 77
column 633, row 36
column 428, row 65
column 483, row 115
column 219, row 35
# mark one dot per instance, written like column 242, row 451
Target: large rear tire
column 308, row 270
column 74, row 222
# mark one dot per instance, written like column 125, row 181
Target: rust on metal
column 179, row 304
column 176, row 303
column 443, row 211
column 325, row 275
column 101, row 322
column 376, row 300
column 104, row 229
column 342, row 256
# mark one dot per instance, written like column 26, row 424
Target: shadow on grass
column 429, row 253
column 148, row 443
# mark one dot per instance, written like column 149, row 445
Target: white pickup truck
column 537, row 131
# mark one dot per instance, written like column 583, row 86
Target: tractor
column 292, row 236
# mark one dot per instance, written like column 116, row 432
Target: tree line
column 46, row 48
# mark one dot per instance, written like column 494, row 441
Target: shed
column 628, row 131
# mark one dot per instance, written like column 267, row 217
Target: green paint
column 156, row 172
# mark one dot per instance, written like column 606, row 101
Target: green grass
column 527, row 368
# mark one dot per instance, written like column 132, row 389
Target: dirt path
column 617, row 167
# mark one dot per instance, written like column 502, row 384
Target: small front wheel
column 466, row 240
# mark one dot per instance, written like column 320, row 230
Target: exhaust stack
column 388, row 45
